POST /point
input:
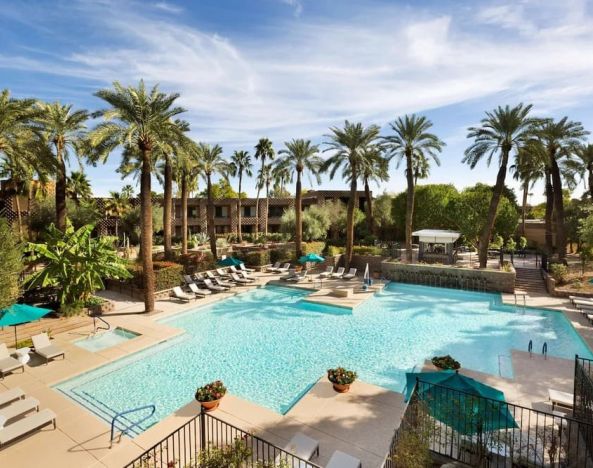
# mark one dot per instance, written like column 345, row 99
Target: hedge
column 333, row 250
column 366, row 250
column 193, row 262
column 313, row 247
column 282, row 255
column 256, row 257
column 166, row 275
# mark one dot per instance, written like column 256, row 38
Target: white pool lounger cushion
column 560, row 398
column 18, row 408
column 343, row 460
column 26, row 425
column 11, row 395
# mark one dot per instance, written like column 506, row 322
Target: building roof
column 437, row 236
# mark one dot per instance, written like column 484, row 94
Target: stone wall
column 443, row 275
column 554, row 291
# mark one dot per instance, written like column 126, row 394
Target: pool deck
column 360, row 422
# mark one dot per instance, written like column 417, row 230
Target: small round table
column 22, row 355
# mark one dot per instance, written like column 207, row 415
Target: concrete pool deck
column 360, row 422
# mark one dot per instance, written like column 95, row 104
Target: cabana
column 437, row 246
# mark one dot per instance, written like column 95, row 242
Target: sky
column 288, row 69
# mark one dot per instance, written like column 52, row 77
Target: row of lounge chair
column 584, row 305
column 200, row 285
column 328, row 273
column 15, row 418
column 306, row 447
column 43, row 348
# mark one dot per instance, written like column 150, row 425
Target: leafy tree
column 414, row 144
column 10, row 267
column 315, row 223
column 143, row 119
column 187, row 169
column 502, row 131
column 44, row 212
column 63, row 129
column 75, row 263
column 382, row 214
column 528, row 169
column 240, row 165
column 298, row 156
column 78, row 187
column 264, row 151
column 348, row 145
column 222, row 190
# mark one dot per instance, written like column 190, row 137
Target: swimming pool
column 270, row 347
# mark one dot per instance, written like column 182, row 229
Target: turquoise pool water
column 106, row 339
column 269, row 346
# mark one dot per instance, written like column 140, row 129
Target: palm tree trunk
column 184, row 214
column 524, row 205
column 60, row 190
column 350, row 218
column 486, row 234
column 369, row 208
column 146, row 231
column 257, row 213
column 19, row 216
column 409, row 205
column 29, row 199
column 267, row 207
column 168, row 208
column 590, row 172
column 210, row 210
column 298, row 217
column 239, row 233
column 549, row 238
column 558, row 208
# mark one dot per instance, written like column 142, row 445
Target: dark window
column 221, row 229
column 247, row 229
column 192, row 212
column 276, row 211
column 248, row 211
column 221, row 211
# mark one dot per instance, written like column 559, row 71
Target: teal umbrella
column 312, row 257
column 230, row 261
column 463, row 403
column 18, row 314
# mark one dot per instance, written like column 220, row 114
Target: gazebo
column 436, row 245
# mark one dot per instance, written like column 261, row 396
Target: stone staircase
column 530, row 280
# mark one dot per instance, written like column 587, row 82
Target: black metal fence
column 583, row 395
column 208, row 441
column 481, row 431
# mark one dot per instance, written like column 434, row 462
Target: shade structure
column 18, row 314
column 465, row 404
column 230, row 261
column 312, row 257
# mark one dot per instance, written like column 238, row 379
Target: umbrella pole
column 15, row 340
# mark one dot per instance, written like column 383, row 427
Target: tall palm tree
column 502, row 131
column 263, row 151
column 412, row 142
column 143, row 119
column 240, row 164
column 560, row 139
column 127, row 191
column 78, row 187
column 281, row 176
column 63, row 129
column 212, row 163
column 375, row 168
column 298, row 156
column 530, row 166
column 582, row 165
column 349, row 145
column 188, row 166
column 116, row 206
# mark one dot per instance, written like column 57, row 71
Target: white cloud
column 167, row 7
column 297, row 5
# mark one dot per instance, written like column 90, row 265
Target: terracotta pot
column 341, row 388
column 210, row 405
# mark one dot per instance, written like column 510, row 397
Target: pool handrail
column 126, row 429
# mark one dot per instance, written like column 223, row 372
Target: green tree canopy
column 11, row 265
column 220, row 190
column 315, row 223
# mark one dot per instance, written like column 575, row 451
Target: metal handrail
column 123, row 413
column 95, row 328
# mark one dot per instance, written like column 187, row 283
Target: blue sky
column 291, row 68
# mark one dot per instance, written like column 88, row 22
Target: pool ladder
column 544, row 348
column 97, row 328
column 132, row 425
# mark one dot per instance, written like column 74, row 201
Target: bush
column 166, row 275
column 366, row 250
column 333, row 250
column 313, row 247
column 559, row 272
column 10, row 267
column 445, row 362
column 72, row 310
column 256, row 257
column 197, row 261
column 281, row 255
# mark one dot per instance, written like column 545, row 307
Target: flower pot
column 341, row 388
column 210, row 405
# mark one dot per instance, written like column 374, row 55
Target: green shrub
column 445, row 362
column 256, row 257
column 72, row 310
column 559, row 272
column 281, row 255
column 166, row 275
column 197, row 261
column 333, row 250
column 366, row 250
column 10, row 267
column 313, row 247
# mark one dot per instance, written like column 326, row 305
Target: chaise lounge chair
column 301, row 446
column 351, row 274
column 178, row 293
column 19, row 408
column 245, row 269
column 193, row 287
column 271, row 269
column 237, row 279
column 339, row 273
column 284, row 268
column 584, row 300
column 213, row 287
column 343, row 460
column 327, row 273
column 45, row 349
column 26, row 425
column 7, row 362
column 224, row 284
column 558, row 398
column 11, row 395
column 299, row 276
column 222, row 273
column 188, row 279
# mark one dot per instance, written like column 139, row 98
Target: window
column 247, row 229
column 248, row 211
column 193, row 212
column 221, row 229
column 221, row 211
column 276, row 211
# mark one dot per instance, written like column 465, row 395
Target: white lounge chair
column 26, row 425
column 299, row 276
column 210, row 275
column 45, row 349
column 239, row 280
column 222, row 273
column 19, row 408
column 339, row 273
column 575, row 299
column 11, row 395
column 327, row 273
column 7, row 362
column 193, row 287
column 559, row 398
column 244, row 275
column 271, row 269
column 244, row 268
column 284, row 268
column 351, row 274
column 178, row 293
column 213, row 287
column 188, row 279
column 224, row 284
column 343, row 460
column 301, row 446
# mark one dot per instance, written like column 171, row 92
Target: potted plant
column 209, row 395
column 341, row 379
column 445, row 363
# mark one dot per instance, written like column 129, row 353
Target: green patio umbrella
column 312, row 257
column 230, row 261
column 18, row 314
column 463, row 403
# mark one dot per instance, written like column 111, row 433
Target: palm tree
column 529, row 167
column 412, row 143
column 127, row 191
column 240, row 164
column 188, row 166
column 143, row 119
column 349, row 145
column 78, row 187
column 503, row 130
column 582, row 166
column 559, row 139
column 116, row 206
column 211, row 164
column 300, row 155
column 375, row 169
column 281, row 176
column 263, row 151
column 65, row 130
